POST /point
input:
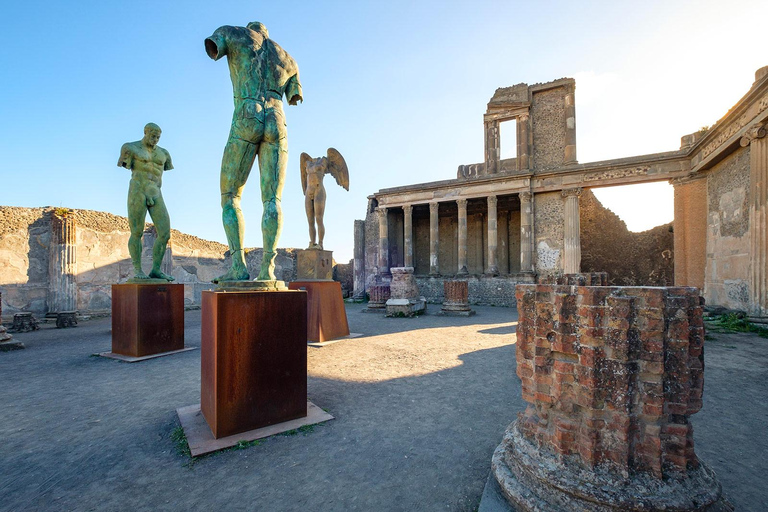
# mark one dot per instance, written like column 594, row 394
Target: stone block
column 314, row 264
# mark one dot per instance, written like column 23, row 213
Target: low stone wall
column 102, row 259
column 483, row 290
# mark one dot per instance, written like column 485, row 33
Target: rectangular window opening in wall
column 508, row 139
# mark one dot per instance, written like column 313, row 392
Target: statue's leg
column 137, row 213
column 273, row 160
column 309, row 206
column 319, row 212
column 236, row 165
column 162, row 222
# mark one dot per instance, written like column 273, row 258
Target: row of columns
column 572, row 242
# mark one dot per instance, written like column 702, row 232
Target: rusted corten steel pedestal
column 147, row 319
column 326, row 315
column 612, row 375
column 253, row 359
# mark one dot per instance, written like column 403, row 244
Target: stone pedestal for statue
column 404, row 297
column 326, row 315
column 253, row 359
column 314, row 264
column 612, row 376
column 456, row 302
column 147, row 319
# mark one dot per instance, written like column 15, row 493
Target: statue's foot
column 315, row 247
column 139, row 274
column 156, row 274
column 233, row 275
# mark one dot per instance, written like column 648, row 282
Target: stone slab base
column 7, row 346
column 406, row 307
column 324, row 343
column 531, row 479
column 451, row 312
column 201, row 441
column 250, row 286
column 375, row 309
column 131, row 359
column 314, row 264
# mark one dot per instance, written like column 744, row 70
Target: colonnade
column 571, row 258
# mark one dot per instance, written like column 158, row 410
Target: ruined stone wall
column 630, row 259
column 483, row 290
column 549, row 233
column 549, row 129
column 727, row 268
column 102, row 259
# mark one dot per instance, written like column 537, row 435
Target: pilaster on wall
column 572, row 232
column 62, row 262
column 690, row 227
column 758, row 218
column 359, row 279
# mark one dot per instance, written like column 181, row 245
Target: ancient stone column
column 492, row 147
column 359, row 261
column 462, row 236
column 434, row 241
column 758, row 218
column 611, row 376
column 690, row 233
column 493, row 234
column 570, row 128
column 62, row 262
column 523, row 134
column 408, row 234
column 383, row 241
column 572, row 235
column 456, row 302
column 526, row 232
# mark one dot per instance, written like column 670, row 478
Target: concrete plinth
column 326, row 315
column 147, row 319
column 253, row 359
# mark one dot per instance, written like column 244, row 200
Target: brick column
column 493, row 235
column 572, row 234
column 492, row 147
column 408, row 234
column 62, row 262
column 570, row 127
column 523, row 142
column 462, row 203
column 526, row 232
column 359, row 278
column 434, row 240
column 383, row 241
column 612, row 376
column 758, row 218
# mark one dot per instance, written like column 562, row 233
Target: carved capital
column 572, row 192
column 754, row 132
column 433, row 208
column 525, row 196
column 382, row 211
column 462, row 204
column 522, row 118
column 408, row 209
column 492, row 201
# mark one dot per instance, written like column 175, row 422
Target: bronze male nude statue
column 147, row 162
column 262, row 73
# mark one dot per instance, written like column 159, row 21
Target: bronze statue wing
column 303, row 168
column 337, row 167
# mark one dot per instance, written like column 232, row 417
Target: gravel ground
column 420, row 405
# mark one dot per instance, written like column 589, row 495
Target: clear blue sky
column 399, row 88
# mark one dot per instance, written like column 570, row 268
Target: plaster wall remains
column 103, row 260
column 728, row 237
column 548, row 231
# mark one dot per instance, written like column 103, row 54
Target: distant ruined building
column 503, row 222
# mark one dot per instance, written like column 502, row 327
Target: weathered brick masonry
column 611, row 375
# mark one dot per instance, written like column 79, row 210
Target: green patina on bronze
column 147, row 162
column 262, row 73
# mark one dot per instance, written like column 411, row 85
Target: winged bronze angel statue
column 312, row 172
